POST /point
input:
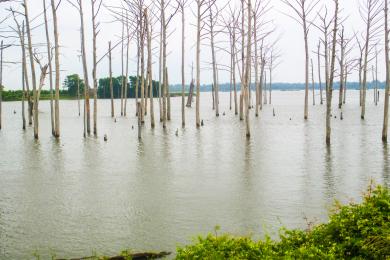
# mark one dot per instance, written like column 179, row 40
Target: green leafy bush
column 354, row 231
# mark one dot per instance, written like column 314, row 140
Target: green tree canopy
column 71, row 83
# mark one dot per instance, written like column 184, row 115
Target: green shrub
column 354, row 231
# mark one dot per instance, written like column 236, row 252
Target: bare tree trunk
column 387, row 88
column 94, row 34
column 305, row 30
column 341, row 89
column 265, row 87
column 332, row 72
column 111, row 84
column 215, row 99
column 183, row 117
column 87, row 114
column 138, row 63
column 198, row 64
column 256, row 65
column 270, row 86
column 234, row 74
column 247, row 70
column 57, row 63
column 319, row 71
column 1, row 82
column 168, row 96
column 78, row 94
column 150, row 55
column 23, row 78
column 34, row 83
column 345, row 84
column 164, row 64
column 123, row 66
column 242, row 58
column 312, row 82
column 142, row 34
column 126, row 81
column 50, row 69
column 160, row 75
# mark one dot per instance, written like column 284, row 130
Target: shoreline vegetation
column 354, row 231
column 69, row 91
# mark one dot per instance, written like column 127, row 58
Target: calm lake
column 78, row 196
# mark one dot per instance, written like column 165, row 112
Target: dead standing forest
column 245, row 25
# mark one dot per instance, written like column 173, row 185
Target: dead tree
column 247, row 69
column 111, row 84
column 387, row 87
column 96, row 4
column 1, row 81
column 319, row 71
column 342, row 67
column 126, row 80
column 149, row 32
column 329, row 91
column 202, row 9
column 303, row 9
column 212, row 23
column 87, row 114
column 57, row 71
column 312, row 82
column 182, row 5
column 231, row 25
column 370, row 12
column 20, row 30
column 48, row 45
column 33, row 76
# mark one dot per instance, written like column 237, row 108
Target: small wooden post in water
column 139, row 111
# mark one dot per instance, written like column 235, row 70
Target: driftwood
column 137, row 256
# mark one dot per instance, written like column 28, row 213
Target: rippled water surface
column 75, row 196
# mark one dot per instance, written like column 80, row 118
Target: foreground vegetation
column 354, row 231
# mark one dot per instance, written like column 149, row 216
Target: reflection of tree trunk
column 57, row 63
column 111, row 84
column 50, row 69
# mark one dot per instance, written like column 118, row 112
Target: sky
column 290, row 44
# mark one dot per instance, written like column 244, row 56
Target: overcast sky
column 290, row 45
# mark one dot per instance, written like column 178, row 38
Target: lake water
column 77, row 196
